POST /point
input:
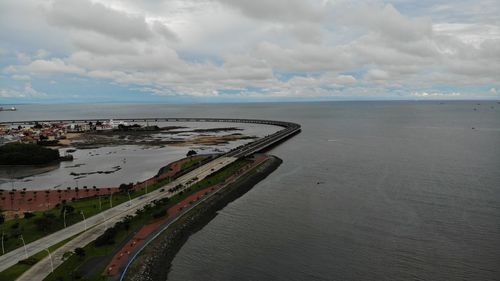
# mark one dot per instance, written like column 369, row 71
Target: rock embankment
column 155, row 262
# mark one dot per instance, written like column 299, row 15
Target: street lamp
column 3, row 250
column 100, row 203
column 84, row 220
column 51, row 263
column 104, row 218
column 64, row 217
column 111, row 200
column 24, row 245
column 129, row 199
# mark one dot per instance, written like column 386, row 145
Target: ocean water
column 367, row 191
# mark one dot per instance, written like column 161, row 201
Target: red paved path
column 40, row 200
column 121, row 258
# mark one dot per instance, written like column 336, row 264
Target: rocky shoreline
column 155, row 263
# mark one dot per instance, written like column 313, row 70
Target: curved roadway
column 117, row 213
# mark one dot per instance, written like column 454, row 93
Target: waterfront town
column 85, row 221
column 53, row 133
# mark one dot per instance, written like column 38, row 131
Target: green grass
column 192, row 162
column 13, row 272
column 74, row 263
column 64, row 271
column 89, row 206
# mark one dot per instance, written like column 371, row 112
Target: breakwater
column 154, row 263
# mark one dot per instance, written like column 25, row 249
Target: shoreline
column 161, row 252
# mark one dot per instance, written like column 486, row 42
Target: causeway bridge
column 289, row 129
column 88, row 230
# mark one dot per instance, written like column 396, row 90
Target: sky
column 65, row 51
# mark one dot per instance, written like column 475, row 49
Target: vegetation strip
column 13, row 272
column 96, row 254
column 155, row 261
column 36, row 225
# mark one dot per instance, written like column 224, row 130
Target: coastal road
column 115, row 214
column 111, row 216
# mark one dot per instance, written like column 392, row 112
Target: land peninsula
column 124, row 226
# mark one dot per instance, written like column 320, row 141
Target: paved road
column 114, row 214
column 118, row 212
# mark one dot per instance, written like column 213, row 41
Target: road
column 117, row 213
column 114, row 214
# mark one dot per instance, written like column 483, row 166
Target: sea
column 383, row 190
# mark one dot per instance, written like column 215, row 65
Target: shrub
column 28, row 215
column 107, row 238
column 45, row 223
column 160, row 213
column 80, row 252
column 26, row 154
column 28, row 261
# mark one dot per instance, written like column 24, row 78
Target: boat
column 8, row 109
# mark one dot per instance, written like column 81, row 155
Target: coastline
column 155, row 262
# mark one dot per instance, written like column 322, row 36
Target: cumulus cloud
column 26, row 92
column 53, row 66
column 85, row 15
column 435, row 94
column 21, row 77
column 280, row 10
column 284, row 48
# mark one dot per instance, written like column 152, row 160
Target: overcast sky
column 241, row 50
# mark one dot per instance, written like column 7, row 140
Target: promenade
column 117, row 213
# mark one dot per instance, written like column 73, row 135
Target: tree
column 37, row 125
column 125, row 187
column 26, row 154
column 68, row 208
column 45, row 223
column 28, row 215
column 2, row 218
column 80, row 252
column 107, row 238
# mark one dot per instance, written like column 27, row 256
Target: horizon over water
column 370, row 190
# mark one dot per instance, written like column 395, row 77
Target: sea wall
column 154, row 264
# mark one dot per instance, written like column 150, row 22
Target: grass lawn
column 13, row 272
column 28, row 228
column 192, row 162
column 14, row 228
column 75, row 264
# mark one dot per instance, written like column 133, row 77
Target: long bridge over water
column 289, row 129
column 94, row 226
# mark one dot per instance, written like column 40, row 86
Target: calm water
column 128, row 163
column 407, row 191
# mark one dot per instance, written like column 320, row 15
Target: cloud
column 3, row 52
column 21, row 77
column 435, row 94
column 26, row 92
column 85, row 15
column 279, row 10
column 41, row 54
column 53, row 66
column 284, row 48
column 377, row 75
column 23, row 58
